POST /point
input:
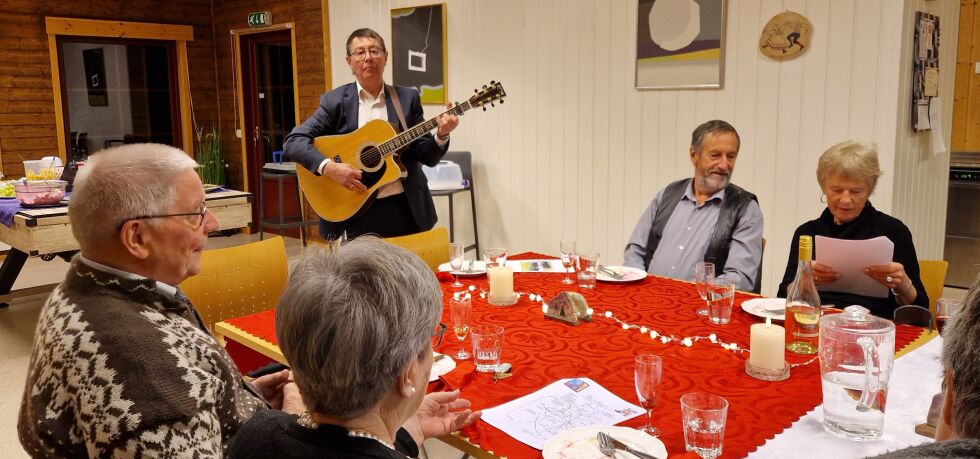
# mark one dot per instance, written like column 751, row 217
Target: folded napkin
column 460, row 376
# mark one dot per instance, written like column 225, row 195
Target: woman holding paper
column 847, row 174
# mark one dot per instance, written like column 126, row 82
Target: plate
column 440, row 367
column 758, row 306
column 8, row 197
column 629, row 274
column 470, row 268
column 581, row 442
column 43, row 206
column 209, row 188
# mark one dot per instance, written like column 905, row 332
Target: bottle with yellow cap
column 803, row 305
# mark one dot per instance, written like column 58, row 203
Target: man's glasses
column 437, row 334
column 361, row 53
column 198, row 221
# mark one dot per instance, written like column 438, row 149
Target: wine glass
column 567, row 252
column 703, row 272
column 461, row 310
column 456, row 255
column 647, row 376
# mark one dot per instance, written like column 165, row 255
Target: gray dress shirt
column 686, row 238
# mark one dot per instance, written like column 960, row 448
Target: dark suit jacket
column 337, row 114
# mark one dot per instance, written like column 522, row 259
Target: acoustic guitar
column 373, row 149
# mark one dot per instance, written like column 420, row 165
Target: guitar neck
column 408, row 136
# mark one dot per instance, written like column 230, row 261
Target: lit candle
column 501, row 283
column 766, row 345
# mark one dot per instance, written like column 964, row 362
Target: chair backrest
column 933, row 275
column 465, row 161
column 237, row 281
column 431, row 246
column 913, row 314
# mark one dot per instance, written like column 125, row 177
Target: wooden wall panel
column 577, row 152
column 966, row 105
column 27, row 127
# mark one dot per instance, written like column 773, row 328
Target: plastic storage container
column 40, row 192
column 46, row 168
column 445, row 176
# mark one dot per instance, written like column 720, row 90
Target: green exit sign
column 259, row 19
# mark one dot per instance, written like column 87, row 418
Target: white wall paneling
column 577, row 152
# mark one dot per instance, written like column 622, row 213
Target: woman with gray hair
column 356, row 324
column 847, row 174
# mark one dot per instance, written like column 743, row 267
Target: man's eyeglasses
column 197, row 221
column 437, row 334
column 361, row 53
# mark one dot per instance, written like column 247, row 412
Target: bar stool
column 465, row 161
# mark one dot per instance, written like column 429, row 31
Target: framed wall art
column 418, row 50
column 680, row 44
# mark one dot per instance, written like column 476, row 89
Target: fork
column 610, row 273
column 614, row 444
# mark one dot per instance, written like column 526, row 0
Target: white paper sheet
column 563, row 404
column 849, row 258
column 536, row 266
column 922, row 116
column 936, row 118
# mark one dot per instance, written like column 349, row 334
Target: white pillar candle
column 501, row 282
column 767, row 343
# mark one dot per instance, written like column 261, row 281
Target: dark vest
column 732, row 209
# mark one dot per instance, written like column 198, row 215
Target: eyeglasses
column 361, row 53
column 200, row 214
column 437, row 334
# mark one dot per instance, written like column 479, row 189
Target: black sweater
column 870, row 224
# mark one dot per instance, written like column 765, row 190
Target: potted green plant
column 212, row 163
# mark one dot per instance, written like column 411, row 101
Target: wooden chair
column 237, row 281
column 913, row 314
column 431, row 246
column 933, row 275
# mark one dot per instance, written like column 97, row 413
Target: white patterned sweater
column 120, row 369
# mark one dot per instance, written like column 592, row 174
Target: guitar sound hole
column 370, row 157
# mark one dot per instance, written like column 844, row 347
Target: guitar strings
column 374, row 154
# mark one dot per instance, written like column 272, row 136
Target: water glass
column 567, row 249
column 495, row 257
column 461, row 312
column 586, row 265
column 703, row 418
column 456, row 255
column 487, row 343
column 721, row 296
column 945, row 308
column 703, row 271
column 647, row 376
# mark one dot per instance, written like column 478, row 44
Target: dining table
column 652, row 315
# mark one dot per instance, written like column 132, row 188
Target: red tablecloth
column 542, row 351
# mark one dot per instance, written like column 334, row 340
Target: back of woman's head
column 350, row 319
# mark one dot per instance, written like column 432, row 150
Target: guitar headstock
column 488, row 95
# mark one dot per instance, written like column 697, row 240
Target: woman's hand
column 891, row 275
column 823, row 274
column 440, row 413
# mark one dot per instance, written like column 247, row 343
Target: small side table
column 282, row 221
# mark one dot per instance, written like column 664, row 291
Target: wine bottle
column 803, row 304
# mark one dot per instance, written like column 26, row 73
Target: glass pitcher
column 856, row 352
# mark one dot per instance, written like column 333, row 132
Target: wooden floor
column 18, row 321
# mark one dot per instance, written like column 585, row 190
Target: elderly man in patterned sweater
column 122, row 364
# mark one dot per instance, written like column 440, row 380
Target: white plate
column 470, row 268
column 581, row 443
column 627, row 273
column 441, row 366
column 758, row 307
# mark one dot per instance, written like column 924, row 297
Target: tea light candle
column 501, row 282
column 766, row 345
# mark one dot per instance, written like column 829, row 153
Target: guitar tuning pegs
column 493, row 82
column 476, row 90
column 501, row 101
column 492, row 105
column 484, row 86
column 484, row 108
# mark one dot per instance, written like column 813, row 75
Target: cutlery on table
column 610, row 273
column 608, row 446
column 775, row 311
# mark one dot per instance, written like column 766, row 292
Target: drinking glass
column 647, row 375
column 495, row 257
column 487, row 343
column 456, row 255
column 703, row 418
column 587, row 264
column 945, row 308
column 461, row 310
column 567, row 252
column 721, row 296
column 703, row 271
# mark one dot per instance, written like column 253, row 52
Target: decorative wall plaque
column 785, row 36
